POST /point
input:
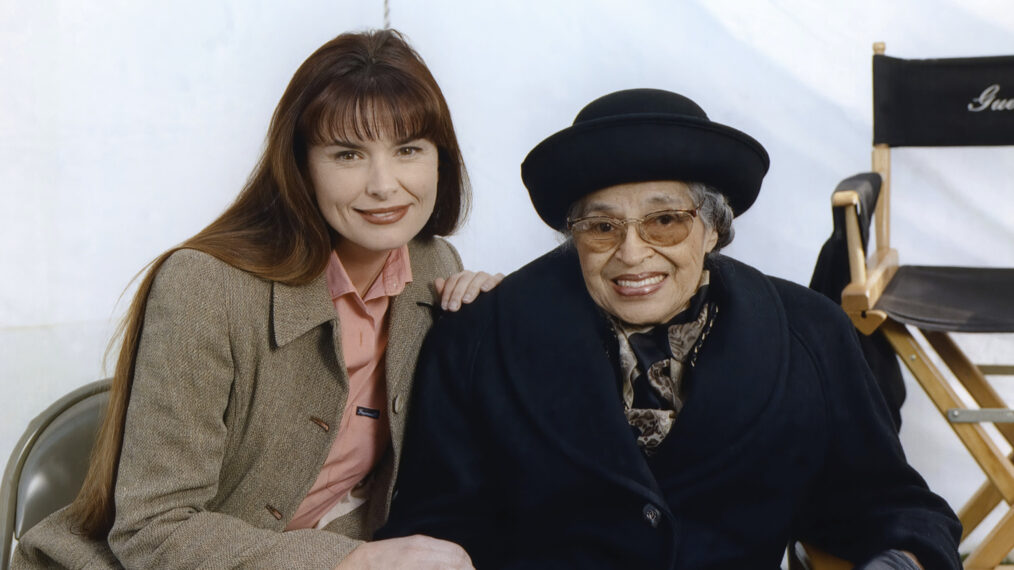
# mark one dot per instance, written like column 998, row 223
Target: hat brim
column 597, row 154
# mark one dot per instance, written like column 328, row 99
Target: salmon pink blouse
column 364, row 433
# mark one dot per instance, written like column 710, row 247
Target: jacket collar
column 557, row 362
column 410, row 317
column 560, row 368
column 297, row 309
column 740, row 372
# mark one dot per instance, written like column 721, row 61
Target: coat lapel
column 296, row 309
column 562, row 372
column 560, row 369
column 410, row 317
column 740, row 371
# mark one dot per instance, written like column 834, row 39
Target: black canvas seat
column 951, row 299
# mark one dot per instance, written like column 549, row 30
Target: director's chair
column 938, row 102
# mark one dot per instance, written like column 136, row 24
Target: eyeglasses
column 663, row 228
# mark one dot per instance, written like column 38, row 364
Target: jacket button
column 651, row 515
column 274, row 512
column 398, row 404
column 321, row 423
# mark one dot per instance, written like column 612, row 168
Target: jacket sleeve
column 867, row 499
column 444, row 480
column 176, row 435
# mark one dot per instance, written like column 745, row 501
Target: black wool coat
column 517, row 447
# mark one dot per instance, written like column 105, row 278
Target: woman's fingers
column 450, row 299
column 464, row 287
column 491, row 281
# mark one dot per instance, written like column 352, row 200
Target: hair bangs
column 396, row 110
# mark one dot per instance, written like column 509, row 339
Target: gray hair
column 712, row 208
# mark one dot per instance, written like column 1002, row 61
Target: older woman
column 633, row 399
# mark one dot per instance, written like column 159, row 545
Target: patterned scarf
column 652, row 400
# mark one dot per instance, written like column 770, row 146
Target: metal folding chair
column 48, row 465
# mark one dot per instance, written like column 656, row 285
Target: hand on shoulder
column 464, row 287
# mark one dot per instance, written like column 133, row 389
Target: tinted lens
column 603, row 233
column 599, row 234
column 667, row 228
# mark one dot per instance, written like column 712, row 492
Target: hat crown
column 640, row 102
column 641, row 135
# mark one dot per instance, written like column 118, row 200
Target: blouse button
column 399, row 403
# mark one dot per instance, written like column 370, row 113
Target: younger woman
column 259, row 399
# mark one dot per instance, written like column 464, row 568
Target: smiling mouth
column 637, row 285
column 383, row 216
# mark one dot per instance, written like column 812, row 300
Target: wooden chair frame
column 803, row 556
column 869, row 278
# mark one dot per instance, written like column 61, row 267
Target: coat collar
column 410, row 316
column 740, row 373
column 557, row 363
column 297, row 309
column 560, row 368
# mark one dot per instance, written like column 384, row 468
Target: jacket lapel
column 561, row 371
column 409, row 318
column 740, row 371
column 297, row 309
column 411, row 315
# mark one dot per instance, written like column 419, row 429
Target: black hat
column 641, row 135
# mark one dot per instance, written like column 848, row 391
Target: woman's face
column 635, row 281
column 377, row 194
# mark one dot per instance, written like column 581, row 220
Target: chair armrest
column 866, row 186
column 808, row 557
column 854, row 201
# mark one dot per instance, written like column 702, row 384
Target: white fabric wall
column 127, row 126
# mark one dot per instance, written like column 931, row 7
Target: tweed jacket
column 518, row 449
column 238, row 392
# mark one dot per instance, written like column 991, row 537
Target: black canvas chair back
column 48, row 465
column 946, row 102
column 943, row 102
column 918, row 103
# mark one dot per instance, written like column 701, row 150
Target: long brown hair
column 358, row 85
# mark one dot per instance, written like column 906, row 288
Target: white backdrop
column 125, row 127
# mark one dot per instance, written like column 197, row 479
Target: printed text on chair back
column 943, row 102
